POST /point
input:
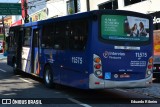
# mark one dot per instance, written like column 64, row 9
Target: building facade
column 7, row 23
column 7, row 20
column 44, row 9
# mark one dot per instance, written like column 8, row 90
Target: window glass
column 11, row 38
column 72, row 34
column 109, row 5
column 78, row 35
column 27, row 37
column 47, row 37
column 36, row 38
column 73, row 6
column 60, row 36
column 129, row 2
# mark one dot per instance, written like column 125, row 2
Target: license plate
column 124, row 76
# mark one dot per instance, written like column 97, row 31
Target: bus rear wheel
column 48, row 77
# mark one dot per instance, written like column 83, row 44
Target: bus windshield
column 124, row 28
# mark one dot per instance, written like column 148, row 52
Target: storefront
column 156, row 20
column 156, row 43
column 19, row 22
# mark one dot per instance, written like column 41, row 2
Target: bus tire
column 48, row 77
column 15, row 70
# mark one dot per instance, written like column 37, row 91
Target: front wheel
column 48, row 77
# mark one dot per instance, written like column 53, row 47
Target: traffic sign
column 10, row 9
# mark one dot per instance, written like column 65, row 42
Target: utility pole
column 88, row 5
column 25, row 15
column 26, row 20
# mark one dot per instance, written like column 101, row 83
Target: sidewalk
column 2, row 56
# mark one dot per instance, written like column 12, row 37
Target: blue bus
column 91, row 50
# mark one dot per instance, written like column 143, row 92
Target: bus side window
column 60, row 36
column 78, row 35
column 47, row 36
column 27, row 37
column 11, row 39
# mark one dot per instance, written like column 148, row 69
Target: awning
column 19, row 22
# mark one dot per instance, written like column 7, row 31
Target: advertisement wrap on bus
column 125, row 28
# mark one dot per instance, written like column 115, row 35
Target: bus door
column 35, row 65
column 26, row 51
column 18, row 44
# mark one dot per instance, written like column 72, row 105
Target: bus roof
column 85, row 15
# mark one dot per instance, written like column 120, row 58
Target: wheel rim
column 47, row 77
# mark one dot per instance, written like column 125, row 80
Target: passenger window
column 47, row 36
column 60, row 36
column 78, row 35
column 27, row 37
column 11, row 38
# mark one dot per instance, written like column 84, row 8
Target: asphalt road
column 26, row 87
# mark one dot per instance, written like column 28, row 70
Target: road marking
column 25, row 80
column 121, row 90
column 78, row 102
column 3, row 70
